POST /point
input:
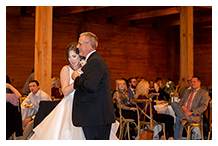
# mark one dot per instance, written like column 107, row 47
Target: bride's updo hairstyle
column 71, row 46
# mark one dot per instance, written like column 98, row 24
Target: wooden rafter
column 60, row 11
column 149, row 14
column 134, row 16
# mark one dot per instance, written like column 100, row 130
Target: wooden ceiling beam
column 201, row 19
column 158, row 19
column 67, row 10
column 175, row 22
column 207, row 7
column 119, row 11
column 149, row 14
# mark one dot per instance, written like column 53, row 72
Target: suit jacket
column 181, row 91
column 93, row 103
column 129, row 91
column 199, row 103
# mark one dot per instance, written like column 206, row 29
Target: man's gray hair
column 91, row 37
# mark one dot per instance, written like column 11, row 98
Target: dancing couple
column 86, row 112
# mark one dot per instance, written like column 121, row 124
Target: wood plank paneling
column 19, row 48
column 128, row 51
column 132, row 52
column 65, row 31
column 203, row 55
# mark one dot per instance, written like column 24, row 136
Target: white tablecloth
column 27, row 112
column 163, row 109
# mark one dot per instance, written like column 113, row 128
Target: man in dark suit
column 132, row 85
column 191, row 107
column 93, row 106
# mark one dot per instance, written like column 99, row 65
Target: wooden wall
column 132, row 52
column 203, row 55
column 20, row 38
column 65, row 31
column 127, row 51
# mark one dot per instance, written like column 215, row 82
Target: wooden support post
column 43, row 47
column 186, row 44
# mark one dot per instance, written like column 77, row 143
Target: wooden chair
column 124, row 125
column 191, row 126
column 152, row 122
column 45, row 107
column 210, row 129
column 208, row 115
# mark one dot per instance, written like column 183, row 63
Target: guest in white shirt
column 33, row 99
column 157, row 85
column 35, row 96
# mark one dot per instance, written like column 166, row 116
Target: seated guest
column 132, row 82
column 163, row 95
column 55, row 88
column 13, row 111
column 138, row 79
column 191, row 107
column 142, row 91
column 123, row 101
column 157, row 87
column 10, row 88
column 35, row 96
column 33, row 99
column 151, row 86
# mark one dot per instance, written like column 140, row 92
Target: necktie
column 190, row 100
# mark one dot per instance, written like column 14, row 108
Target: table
column 27, row 112
column 165, row 109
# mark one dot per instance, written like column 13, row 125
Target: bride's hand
column 75, row 74
column 79, row 70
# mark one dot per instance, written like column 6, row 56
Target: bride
column 58, row 124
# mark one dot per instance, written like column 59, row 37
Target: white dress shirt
column 35, row 99
column 87, row 56
column 156, row 87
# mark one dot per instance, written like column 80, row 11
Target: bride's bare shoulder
column 65, row 69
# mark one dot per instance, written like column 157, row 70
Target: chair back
column 123, row 121
column 45, row 107
column 144, row 110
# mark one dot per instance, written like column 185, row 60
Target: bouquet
column 170, row 88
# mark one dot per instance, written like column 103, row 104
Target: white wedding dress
column 58, row 124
